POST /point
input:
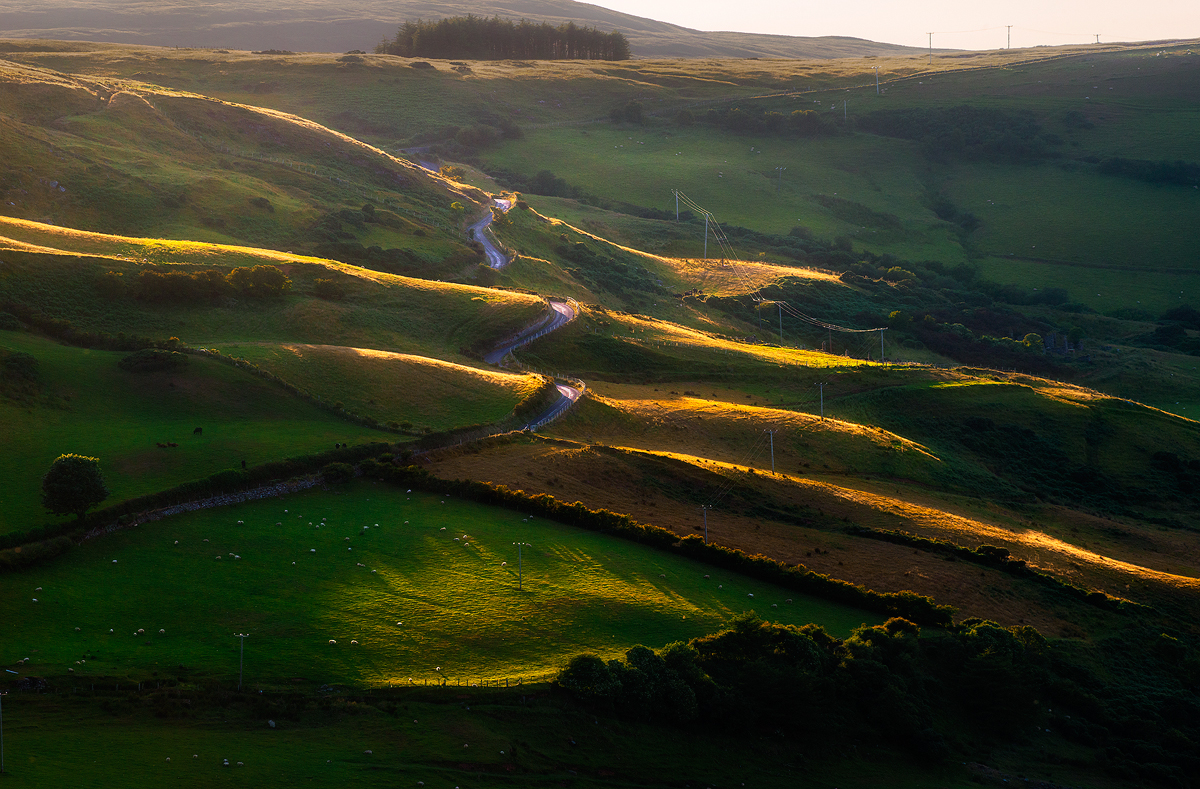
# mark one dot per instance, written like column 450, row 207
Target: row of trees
column 189, row 286
column 479, row 38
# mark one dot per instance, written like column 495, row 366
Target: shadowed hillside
column 237, row 24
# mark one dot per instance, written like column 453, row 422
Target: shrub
column 152, row 360
column 328, row 289
column 338, row 472
column 10, row 322
column 259, row 281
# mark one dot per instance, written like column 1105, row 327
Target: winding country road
column 478, row 231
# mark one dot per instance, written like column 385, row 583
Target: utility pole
column 242, row 659
column 772, row 433
column 3, row 693
column 1009, row 36
column 931, row 49
column 822, row 385
column 780, row 185
column 881, row 346
column 1097, row 38
column 521, row 565
column 779, row 304
column 704, row 509
column 676, row 205
column 706, row 236
column 877, row 80
column 845, row 112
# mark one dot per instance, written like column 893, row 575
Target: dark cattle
column 160, row 445
column 172, row 444
column 197, row 431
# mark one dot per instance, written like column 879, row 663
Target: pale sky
column 957, row 24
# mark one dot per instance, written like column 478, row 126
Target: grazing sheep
column 141, row 630
column 720, row 586
column 788, row 600
column 73, row 671
column 239, row 764
column 347, row 539
column 504, row 564
column 278, row 523
column 162, row 631
column 76, row 630
column 368, row 753
column 774, row 605
column 114, row 561
column 293, row 564
column 195, row 756
column 706, row 576
column 331, row 641
column 377, row 525
column 312, row 550
column 38, row 589
column 218, row 557
column 750, row 595
column 35, row 599
column 168, row 758
column 177, row 542
column 662, row 575
column 353, row 642
column 241, row 523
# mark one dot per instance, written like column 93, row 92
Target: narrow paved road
column 478, row 231
column 562, row 315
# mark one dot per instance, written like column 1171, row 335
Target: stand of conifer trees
column 478, row 38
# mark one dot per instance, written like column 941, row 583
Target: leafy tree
column 73, row 484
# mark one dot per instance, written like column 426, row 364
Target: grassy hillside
column 60, row 272
column 125, row 157
column 83, row 403
column 371, row 564
column 394, row 387
column 360, row 25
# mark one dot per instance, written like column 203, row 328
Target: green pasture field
column 418, row 580
column 394, row 387
column 642, row 165
column 443, row 739
column 1102, row 288
column 91, row 407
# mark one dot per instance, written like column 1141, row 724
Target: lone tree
column 73, row 484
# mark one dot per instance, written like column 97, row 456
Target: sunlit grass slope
column 127, row 157
column 88, row 406
column 395, row 387
column 379, row 310
column 420, row 582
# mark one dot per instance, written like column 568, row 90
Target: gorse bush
column 173, row 287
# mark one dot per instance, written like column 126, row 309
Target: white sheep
column 750, row 595
column 162, row 632
column 241, row 523
column 312, row 550
column 35, row 599
column 331, row 641
column 177, row 542
column 347, row 539
column 788, row 600
column 504, row 564
column 377, row 525
column 706, row 576
column 38, row 589
column 195, row 756
column 168, row 758
column 76, row 630
column 115, row 561
column 353, row 642
column 71, row 670
column 141, row 630
column 368, row 753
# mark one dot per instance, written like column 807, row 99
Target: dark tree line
column 478, row 38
